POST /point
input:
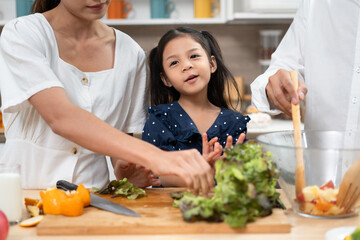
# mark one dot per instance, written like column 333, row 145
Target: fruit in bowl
column 320, row 201
column 326, row 155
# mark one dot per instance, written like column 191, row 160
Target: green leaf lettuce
column 246, row 180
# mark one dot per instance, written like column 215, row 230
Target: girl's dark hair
column 221, row 80
column 41, row 6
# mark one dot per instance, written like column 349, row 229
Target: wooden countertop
column 302, row 228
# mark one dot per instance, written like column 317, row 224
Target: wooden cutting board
column 158, row 217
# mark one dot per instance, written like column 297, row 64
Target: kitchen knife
column 99, row 202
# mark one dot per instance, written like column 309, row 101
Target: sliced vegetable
column 329, row 184
column 320, row 201
column 71, row 204
column 31, row 221
column 84, row 194
column 33, row 210
column 52, row 199
column 34, row 206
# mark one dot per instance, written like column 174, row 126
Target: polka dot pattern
column 171, row 128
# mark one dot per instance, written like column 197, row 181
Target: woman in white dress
column 71, row 89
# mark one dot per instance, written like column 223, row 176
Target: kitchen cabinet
column 183, row 14
column 261, row 11
column 231, row 12
column 140, row 15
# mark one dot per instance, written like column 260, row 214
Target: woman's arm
column 85, row 129
column 136, row 174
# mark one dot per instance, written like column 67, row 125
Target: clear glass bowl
column 327, row 155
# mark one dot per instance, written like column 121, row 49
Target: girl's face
column 86, row 9
column 186, row 65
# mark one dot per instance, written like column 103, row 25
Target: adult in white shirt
column 71, row 90
column 323, row 46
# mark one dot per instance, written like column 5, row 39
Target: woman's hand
column 136, row 174
column 189, row 165
column 281, row 92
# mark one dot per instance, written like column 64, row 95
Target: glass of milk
column 10, row 188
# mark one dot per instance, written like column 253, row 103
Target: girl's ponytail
column 222, row 81
column 159, row 92
column 154, row 75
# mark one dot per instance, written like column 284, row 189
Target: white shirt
column 323, row 45
column 32, row 63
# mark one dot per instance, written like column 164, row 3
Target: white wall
column 7, row 9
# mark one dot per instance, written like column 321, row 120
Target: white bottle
column 11, row 196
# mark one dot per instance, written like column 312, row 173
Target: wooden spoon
column 349, row 191
column 299, row 171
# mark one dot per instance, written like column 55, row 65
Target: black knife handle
column 65, row 185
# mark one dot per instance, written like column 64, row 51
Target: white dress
column 31, row 63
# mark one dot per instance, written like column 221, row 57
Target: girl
column 71, row 88
column 188, row 83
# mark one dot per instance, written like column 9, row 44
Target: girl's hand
column 240, row 140
column 136, row 174
column 211, row 150
column 229, row 141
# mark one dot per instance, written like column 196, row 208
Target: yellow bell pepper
column 72, row 204
column 52, row 199
column 84, row 194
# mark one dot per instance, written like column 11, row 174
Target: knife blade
column 99, row 202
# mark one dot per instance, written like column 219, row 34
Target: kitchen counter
column 302, row 228
column 274, row 126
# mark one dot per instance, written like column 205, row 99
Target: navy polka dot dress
column 170, row 128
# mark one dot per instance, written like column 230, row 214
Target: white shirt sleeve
column 289, row 56
column 140, row 100
column 25, row 54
